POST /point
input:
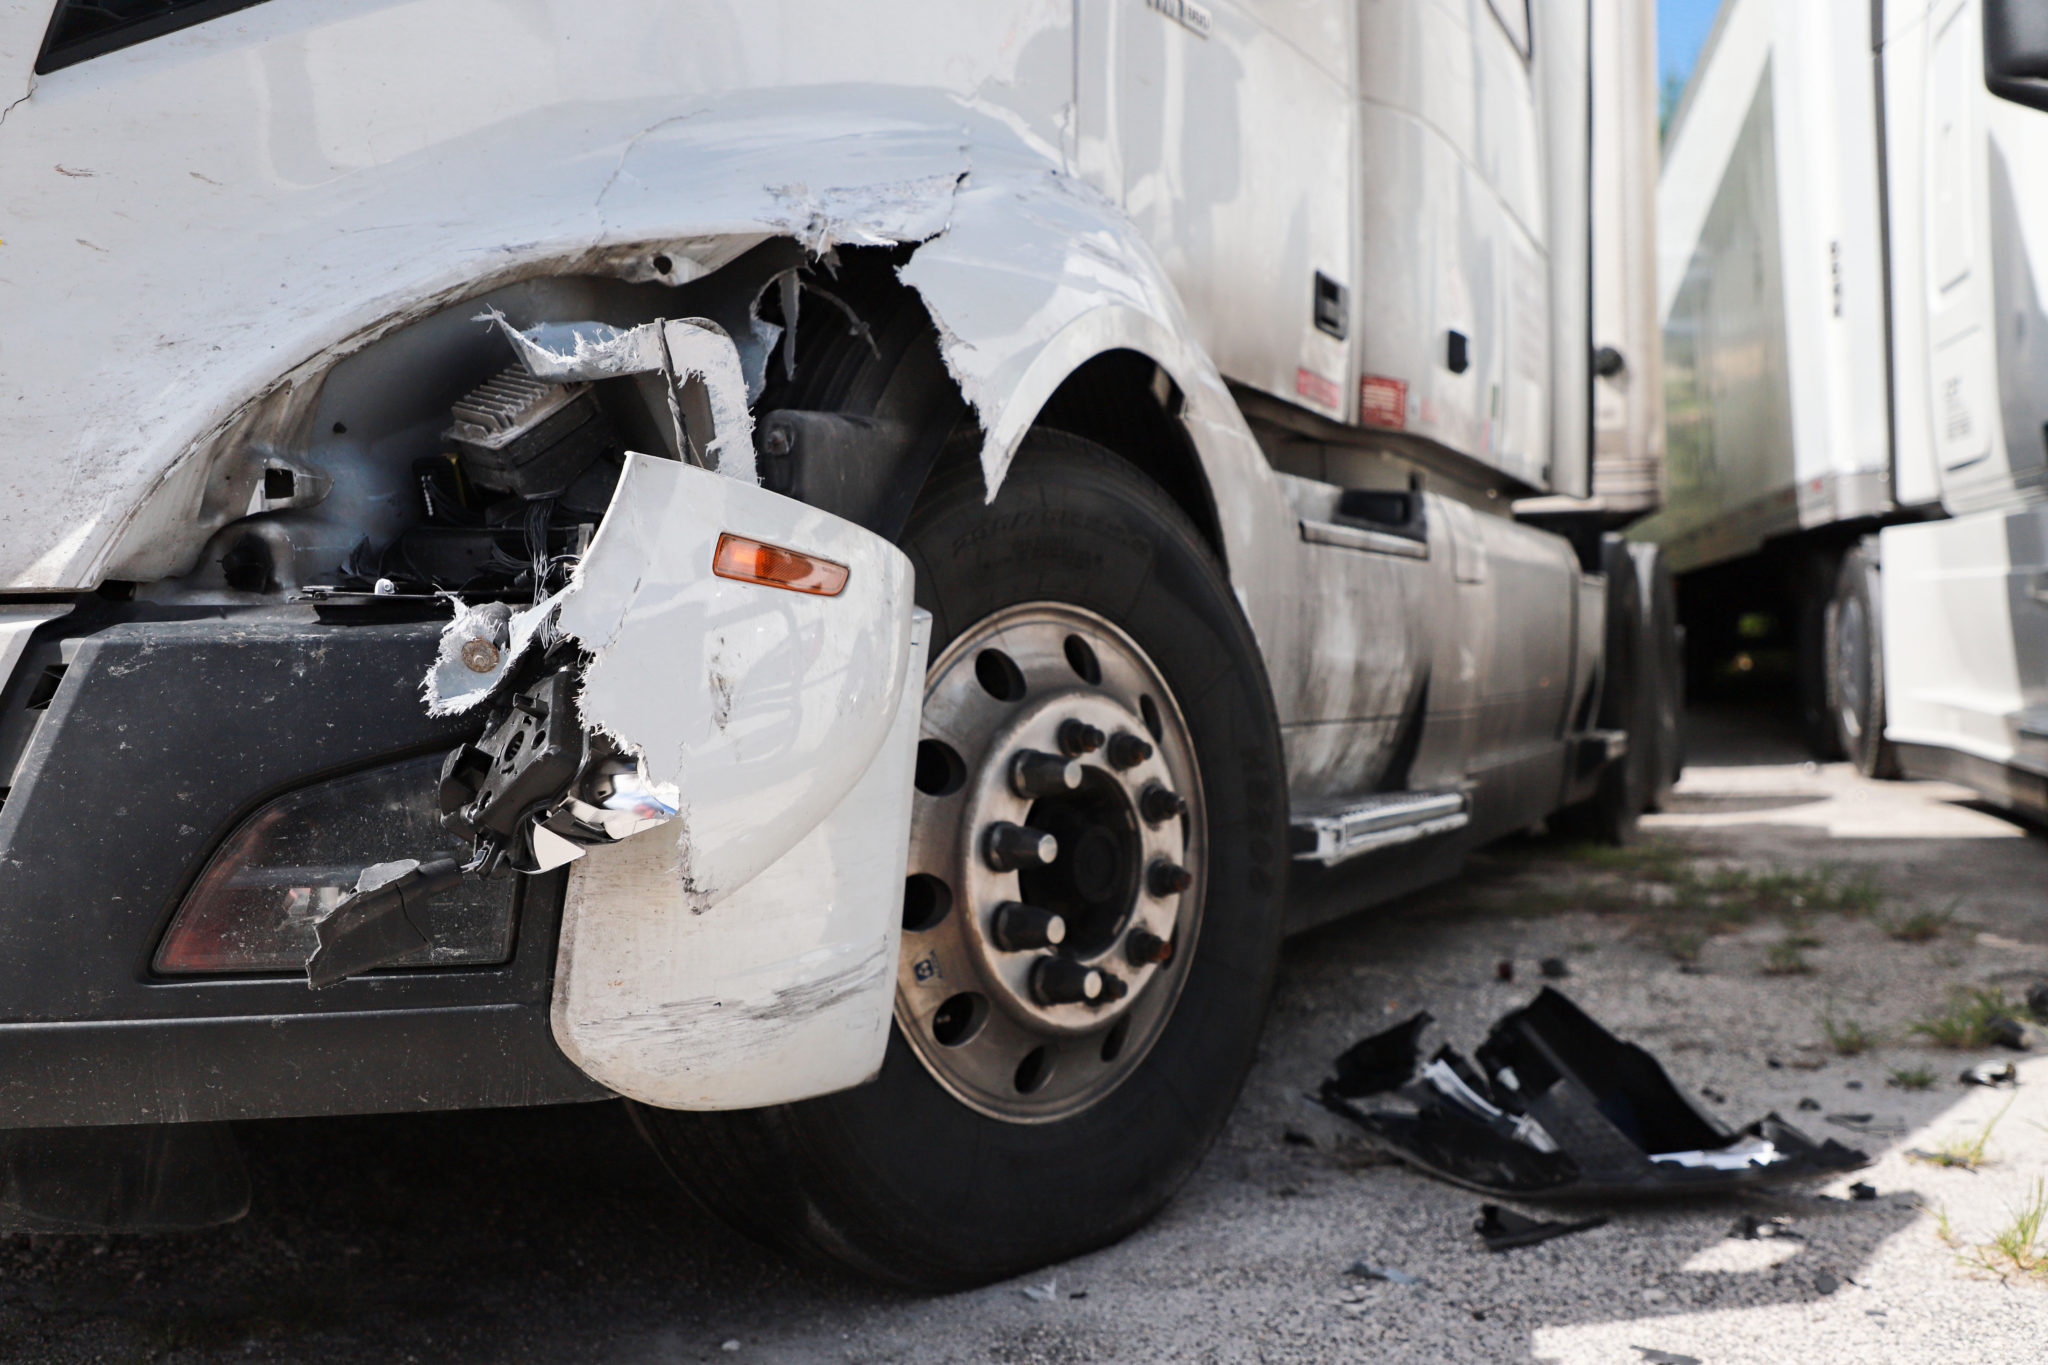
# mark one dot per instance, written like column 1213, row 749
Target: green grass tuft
column 1846, row 1036
column 1966, row 1021
column 1785, row 959
column 1921, row 926
column 1912, row 1078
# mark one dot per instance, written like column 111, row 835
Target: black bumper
column 160, row 737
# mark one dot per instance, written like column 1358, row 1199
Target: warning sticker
column 1383, row 402
column 1322, row 392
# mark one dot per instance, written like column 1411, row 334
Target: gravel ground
column 538, row 1236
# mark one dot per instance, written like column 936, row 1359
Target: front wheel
column 1091, row 914
column 1855, row 666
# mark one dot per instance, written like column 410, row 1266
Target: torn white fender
column 784, row 990
column 679, row 348
column 762, row 705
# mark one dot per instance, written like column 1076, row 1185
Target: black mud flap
column 1559, row 1107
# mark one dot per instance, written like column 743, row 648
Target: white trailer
column 824, row 569
column 1850, row 217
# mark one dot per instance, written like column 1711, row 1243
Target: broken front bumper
column 160, row 738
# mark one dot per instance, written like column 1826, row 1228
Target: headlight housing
column 285, row 867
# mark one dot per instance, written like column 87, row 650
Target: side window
column 83, row 29
column 1514, row 17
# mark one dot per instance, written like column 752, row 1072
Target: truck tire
column 1004, row 1132
column 1609, row 815
column 1855, row 666
column 1663, row 672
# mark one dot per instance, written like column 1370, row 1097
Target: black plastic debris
column 1750, row 1228
column 1504, row 1229
column 1992, row 1073
column 1652, row 1356
column 1379, row 1063
column 2020, row 1035
column 1808, row 1104
column 1871, row 1124
column 1294, row 1137
column 1553, row 969
column 1862, row 1191
column 1556, row 1106
column 1504, row 969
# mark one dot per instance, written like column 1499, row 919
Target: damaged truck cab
column 843, row 575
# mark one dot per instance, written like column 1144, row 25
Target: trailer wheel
column 1663, row 673
column 1626, row 703
column 1855, row 666
column 1045, row 1089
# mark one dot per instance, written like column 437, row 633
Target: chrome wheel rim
column 1002, row 1019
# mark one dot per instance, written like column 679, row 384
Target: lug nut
column 1114, row 987
column 1168, row 879
column 1126, row 750
column 1144, row 948
column 1159, row 805
column 1063, row 981
column 1078, row 737
column 1020, row 927
column 1009, row 847
column 1033, row 774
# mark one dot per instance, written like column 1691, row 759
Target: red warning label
column 1383, row 402
column 1318, row 390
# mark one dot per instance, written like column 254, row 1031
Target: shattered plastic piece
column 1557, row 1106
column 1652, row 1356
column 1382, row 1272
column 455, row 684
column 1049, row 1292
column 1380, row 1063
column 1743, row 1153
column 1750, row 1228
column 382, row 922
column 1992, row 1073
column 1504, row 1229
column 679, row 348
column 2020, row 1035
column 729, row 1344
column 1871, row 1124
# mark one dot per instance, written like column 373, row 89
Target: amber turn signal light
column 751, row 561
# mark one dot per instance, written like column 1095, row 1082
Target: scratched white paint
column 781, row 990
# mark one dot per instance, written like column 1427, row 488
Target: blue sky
column 1682, row 27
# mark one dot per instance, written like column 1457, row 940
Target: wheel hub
column 1056, row 864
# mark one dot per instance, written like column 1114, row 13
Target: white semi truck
column 840, row 572
column 1850, row 225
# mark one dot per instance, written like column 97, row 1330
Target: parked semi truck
column 1847, row 241
column 842, row 573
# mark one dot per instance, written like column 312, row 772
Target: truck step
column 1333, row 833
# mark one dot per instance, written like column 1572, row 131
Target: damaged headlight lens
column 290, row 863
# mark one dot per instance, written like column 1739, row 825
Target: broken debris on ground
column 1559, row 1107
column 1504, row 1229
